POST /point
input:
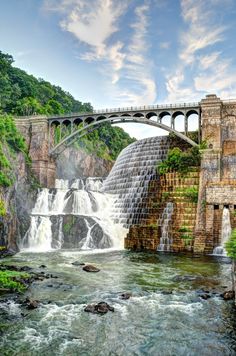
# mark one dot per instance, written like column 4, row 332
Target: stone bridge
column 80, row 124
column 47, row 137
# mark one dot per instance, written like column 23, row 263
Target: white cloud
column 197, row 54
column 165, row 45
column 94, row 24
column 137, row 66
column 201, row 32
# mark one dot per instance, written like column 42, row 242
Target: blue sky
column 116, row 53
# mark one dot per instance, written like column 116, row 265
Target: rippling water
column 153, row 321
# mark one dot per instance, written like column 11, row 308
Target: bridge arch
column 82, row 131
column 151, row 114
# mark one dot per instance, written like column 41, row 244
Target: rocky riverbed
column 136, row 304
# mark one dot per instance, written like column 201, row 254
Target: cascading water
column 225, row 233
column 74, row 214
column 166, row 240
column 130, row 176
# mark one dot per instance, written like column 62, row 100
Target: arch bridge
column 76, row 125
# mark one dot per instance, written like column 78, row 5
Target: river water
column 165, row 315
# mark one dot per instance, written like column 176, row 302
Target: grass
column 13, row 280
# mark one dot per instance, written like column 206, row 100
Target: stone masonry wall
column 171, row 187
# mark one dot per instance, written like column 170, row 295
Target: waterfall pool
column 166, row 314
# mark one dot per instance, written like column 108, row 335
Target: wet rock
column 228, row 295
column 78, row 263
column 7, row 253
column 100, row 308
column 43, row 266
column 125, row 295
column 205, row 296
column 166, row 292
column 15, row 268
column 90, row 268
column 31, row 303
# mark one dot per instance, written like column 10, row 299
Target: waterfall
column 166, row 240
column 225, row 233
column 74, row 214
column 130, row 176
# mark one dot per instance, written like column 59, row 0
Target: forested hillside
column 23, row 94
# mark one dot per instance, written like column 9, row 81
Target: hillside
column 23, row 94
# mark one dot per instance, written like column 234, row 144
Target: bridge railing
column 121, row 109
column 148, row 107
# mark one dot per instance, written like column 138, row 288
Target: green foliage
column 230, row 245
column 191, row 193
column 187, row 238
column 183, row 229
column 13, row 280
column 180, row 161
column 106, row 141
column 2, row 208
column 10, row 141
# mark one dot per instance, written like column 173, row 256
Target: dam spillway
column 130, row 176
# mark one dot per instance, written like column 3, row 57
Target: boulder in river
column 100, row 308
column 90, row 268
column 78, row 263
column 31, row 303
column 125, row 295
column 205, row 296
column 228, row 295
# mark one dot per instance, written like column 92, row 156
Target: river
column 165, row 316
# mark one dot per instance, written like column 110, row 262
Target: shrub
column 13, row 280
column 230, row 245
column 191, row 193
column 2, row 208
column 180, row 161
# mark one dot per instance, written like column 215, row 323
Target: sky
column 117, row 53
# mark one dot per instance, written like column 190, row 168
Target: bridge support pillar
column 43, row 166
column 36, row 132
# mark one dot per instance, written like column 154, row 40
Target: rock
column 78, row 263
column 205, row 296
column 228, row 295
column 100, row 308
column 7, row 253
column 90, row 308
column 31, row 303
column 166, row 292
column 42, row 266
column 125, row 295
column 90, row 268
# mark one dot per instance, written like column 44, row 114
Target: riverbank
column 174, row 307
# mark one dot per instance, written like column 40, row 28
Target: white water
column 225, row 233
column 130, row 176
column 82, row 200
column 166, row 240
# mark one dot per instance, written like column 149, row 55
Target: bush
column 191, row 193
column 13, row 280
column 2, row 208
column 230, row 245
column 180, row 161
column 10, row 141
